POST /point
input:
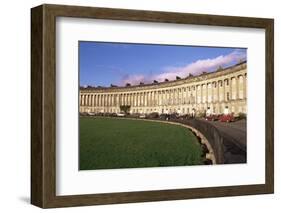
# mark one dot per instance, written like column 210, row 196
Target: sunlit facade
column 223, row 91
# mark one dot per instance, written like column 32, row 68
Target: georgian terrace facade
column 223, row 91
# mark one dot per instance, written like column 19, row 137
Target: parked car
column 185, row 117
column 227, row 118
column 83, row 113
column 120, row 114
column 134, row 115
column 174, row 116
column 212, row 118
column 153, row 115
column 164, row 116
column 142, row 116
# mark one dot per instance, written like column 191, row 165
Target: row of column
column 211, row 92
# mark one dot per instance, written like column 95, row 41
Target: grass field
column 108, row 143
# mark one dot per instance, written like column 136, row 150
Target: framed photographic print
column 136, row 106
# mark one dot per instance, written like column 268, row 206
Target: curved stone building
column 222, row 91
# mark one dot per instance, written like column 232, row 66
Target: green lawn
column 108, row 143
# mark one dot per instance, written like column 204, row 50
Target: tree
column 125, row 108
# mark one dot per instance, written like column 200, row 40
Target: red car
column 227, row 118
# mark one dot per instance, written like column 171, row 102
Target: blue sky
column 102, row 64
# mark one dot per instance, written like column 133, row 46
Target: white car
column 120, row 115
column 142, row 116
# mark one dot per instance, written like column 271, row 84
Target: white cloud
column 194, row 68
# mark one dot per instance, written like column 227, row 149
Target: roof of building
column 192, row 78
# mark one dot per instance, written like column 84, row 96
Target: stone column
column 85, row 100
column 230, row 88
column 207, row 93
column 153, row 98
column 102, row 100
column 237, row 87
column 93, row 100
column 178, row 96
column 202, row 87
column 123, row 98
column 173, row 97
column 87, row 104
column 245, row 86
column 167, row 97
column 108, row 100
column 148, row 98
column 105, row 99
column 96, row 100
column 223, row 84
column 144, row 103
column 218, row 91
column 144, row 98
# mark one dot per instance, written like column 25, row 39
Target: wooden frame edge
column 43, row 105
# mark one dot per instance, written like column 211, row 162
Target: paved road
column 235, row 130
column 235, row 140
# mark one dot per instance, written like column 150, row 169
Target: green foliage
column 201, row 114
column 242, row 115
column 108, row 143
column 125, row 108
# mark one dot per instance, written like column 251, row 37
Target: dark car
column 185, row 117
column 164, row 116
column 174, row 116
column 212, row 118
column 153, row 115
